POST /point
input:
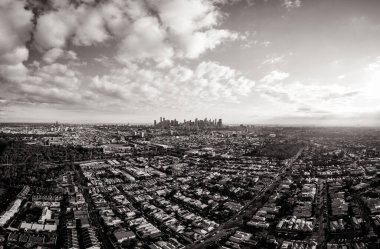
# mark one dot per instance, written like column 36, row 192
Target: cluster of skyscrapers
column 189, row 124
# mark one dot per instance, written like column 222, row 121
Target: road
column 95, row 220
column 237, row 218
column 319, row 235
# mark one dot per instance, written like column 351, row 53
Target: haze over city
column 301, row 62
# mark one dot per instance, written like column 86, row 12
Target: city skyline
column 279, row 62
column 198, row 123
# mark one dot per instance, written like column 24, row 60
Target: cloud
column 62, row 86
column 178, row 29
column 273, row 60
column 222, row 81
column 15, row 30
column 186, row 16
column 341, row 77
column 251, row 43
column 296, row 95
column 366, row 119
column 142, row 43
column 55, row 84
column 274, row 76
column 61, row 25
column 84, row 25
column 15, row 25
column 91, row 28
column 13, row 72
column 57, row 53
column 105, row 61
column 291, row 4
column 197, row 43
column 310, row 110
column 374, row 65
column 139, row 44
column 15, row 56
column 178, row 86
column 116, row 16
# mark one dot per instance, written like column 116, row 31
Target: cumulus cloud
column 84, row 25
column 57, row 53
column 177, row 28
column 55, row 27
column 208, row 82
column 55, row 84
column 125, row 88
column 151, row 34
column 91, row 28
column 291, row 4
column 274, row 76
column 15, row 25
column 197, row 43
column 180, row 29
column 15, row 30
column 140, row 44
column 15, row 56
column 116, row 17
column 13, row 72
column 184, row 17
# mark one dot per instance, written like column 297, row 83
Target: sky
column 282, row 62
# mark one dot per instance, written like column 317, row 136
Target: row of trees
column 18, row 152
column 279, row 151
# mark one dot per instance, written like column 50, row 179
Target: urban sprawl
column 191, row 184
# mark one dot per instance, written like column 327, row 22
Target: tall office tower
column 220, row 123
column 155, row 123
column 160, row 120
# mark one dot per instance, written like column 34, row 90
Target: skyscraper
column 220, row 123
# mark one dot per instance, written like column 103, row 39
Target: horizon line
column 226, row 124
